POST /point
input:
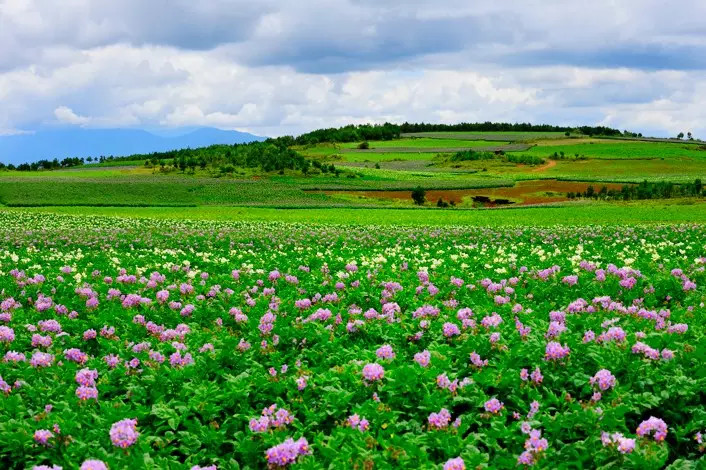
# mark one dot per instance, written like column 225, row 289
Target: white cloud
column 282, row 67
column 65, row 115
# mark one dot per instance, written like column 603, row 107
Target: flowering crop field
column 130, row 343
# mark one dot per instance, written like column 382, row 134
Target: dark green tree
column 419, row 195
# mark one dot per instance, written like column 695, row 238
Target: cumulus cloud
column 277, row 67
column 66, row 115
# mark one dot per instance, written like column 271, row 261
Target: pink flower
column 7, row 335
column 93, row 465
column 356, row 422
column 287, row 452
column 493, row 406
column 604, row 379
column 451, row 329
column 42, row 436
column 555, row 351
column 87, row 377
column 373, row 372
column 439, row 420
column 86, row 393
column 385, row 352
column 653, row 425
column 455, row 464
column 422, row 358
column 40, row 359
column 477, row 361
column 124, row 433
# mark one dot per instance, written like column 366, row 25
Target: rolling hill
column 62, row 143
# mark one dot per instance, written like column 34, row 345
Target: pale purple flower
column 93, row 465
column 555, row 351
column 653, row 425
column 124, row 433
column 373, row 372
column 439, row 420
column 385, row 352
column 455, row 464
column 604, row 379
column 42, row 436
column 40, row 359
column 451, row 329
column 422, row 358
column 287, row 452
column 493, row 406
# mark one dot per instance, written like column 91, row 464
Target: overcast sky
column 285, row 67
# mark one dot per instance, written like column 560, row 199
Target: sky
column 286, row 67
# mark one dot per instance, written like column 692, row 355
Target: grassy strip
column 642, row 212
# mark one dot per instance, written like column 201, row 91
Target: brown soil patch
column 546, row 166
column 523, row 193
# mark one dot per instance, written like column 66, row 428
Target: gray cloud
column 285, row 67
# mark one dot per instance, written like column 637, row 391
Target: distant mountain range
column 50, row 144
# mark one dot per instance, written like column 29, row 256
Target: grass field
column 133, row 188
column 404, row 164
column 643, row 212
column 600, row 159
column 618, row 149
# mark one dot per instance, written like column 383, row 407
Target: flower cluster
column 124, row 433
column 373, row 372
column 623, row 444
column 654, row 426
column 356, row 422
column 603, row 379
column 287, row 452
column 272, row 418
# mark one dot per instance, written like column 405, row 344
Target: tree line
column 644, row 190
column 350, row 133
column 511, row 127
column 54, row 164
column 472, row 155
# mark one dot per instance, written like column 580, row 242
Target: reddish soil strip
column 523, row 193
column 548, row 165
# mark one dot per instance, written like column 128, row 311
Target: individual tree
column 680, row 135
column 688, row 136
column 419, row 196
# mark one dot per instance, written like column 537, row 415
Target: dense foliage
column 644, row 190
column 473, row 155
column 271, row 155
column 163, row 344
column 509, row 127
column 54, row 164
column 350, row 133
